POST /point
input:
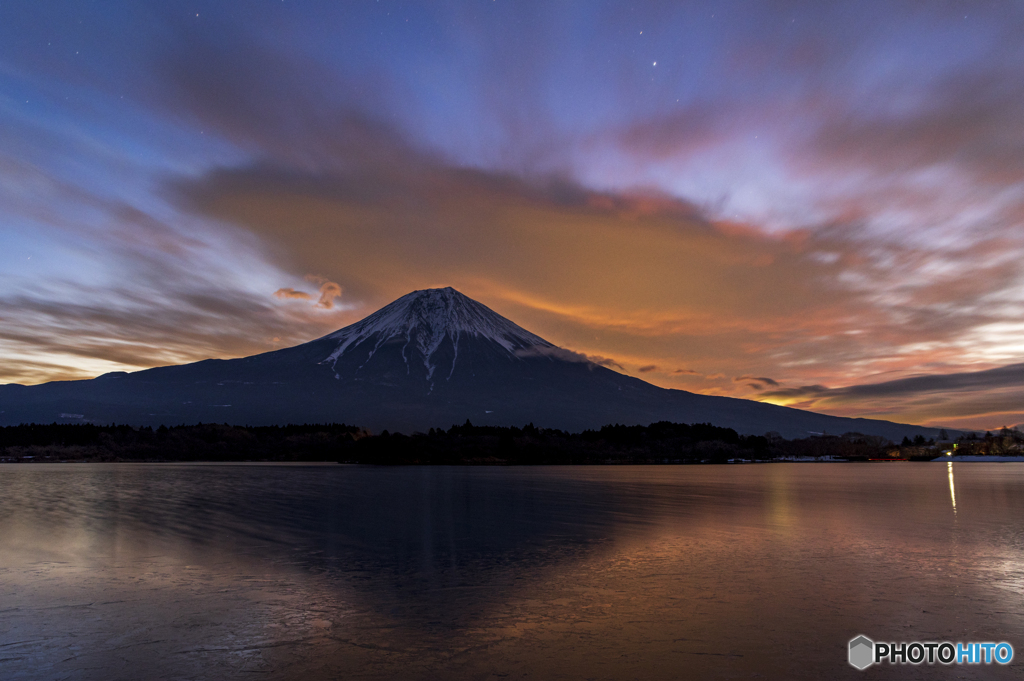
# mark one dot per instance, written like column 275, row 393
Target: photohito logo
column 863, row 652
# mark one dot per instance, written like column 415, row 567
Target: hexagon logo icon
column 862, row 652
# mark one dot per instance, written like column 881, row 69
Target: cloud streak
column 756, row 379
column 990, row 397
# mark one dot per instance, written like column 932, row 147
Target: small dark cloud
column 647, row 368
column 689, row 372
column 565, row 355
column 553, row 352
column 797, row 393
column 759, row 379
column 606, row 362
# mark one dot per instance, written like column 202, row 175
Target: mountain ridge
column 432, row 358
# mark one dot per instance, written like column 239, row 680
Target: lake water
column 150, row 571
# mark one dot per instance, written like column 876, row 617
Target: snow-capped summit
column 429, row 323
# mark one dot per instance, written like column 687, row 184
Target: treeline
column 662, row 442
column 202, row 442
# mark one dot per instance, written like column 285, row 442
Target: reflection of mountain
column 188, row 571
column 615, row 572
column 430, row 359
column 381, row 520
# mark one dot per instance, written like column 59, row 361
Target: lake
column 205, row 571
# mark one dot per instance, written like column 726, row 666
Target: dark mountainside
column 430, row 359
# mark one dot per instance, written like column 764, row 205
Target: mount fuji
column 432, row 358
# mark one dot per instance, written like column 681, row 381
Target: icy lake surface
column 149, row 571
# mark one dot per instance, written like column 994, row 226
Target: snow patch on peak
column 425, row 318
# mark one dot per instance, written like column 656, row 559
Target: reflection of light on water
column 952, row 490
column 780, row 506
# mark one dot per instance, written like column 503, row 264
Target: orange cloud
column 329, row 290
column 291, row 294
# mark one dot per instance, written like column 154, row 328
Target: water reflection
column 952, row 488
column 219, row 572
column 780, row 504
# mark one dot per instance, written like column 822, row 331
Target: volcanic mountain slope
column 432, row 358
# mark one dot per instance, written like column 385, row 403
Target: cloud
column 646, row 368
column 759, row 379
column 796, row 393
column 970, row 399
column 291, row 294
column 969, row 120
column 566, row 355
column 178, row 300
column 683, row 132
column 48, row 339
column 329, row 291
column 1011, row 376
column 605, row 362
column 689, row 372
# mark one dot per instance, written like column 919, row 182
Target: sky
column 813, row 204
